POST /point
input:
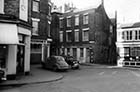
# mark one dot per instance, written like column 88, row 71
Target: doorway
column 20, row 59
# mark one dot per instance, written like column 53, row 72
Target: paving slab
column 37, row 75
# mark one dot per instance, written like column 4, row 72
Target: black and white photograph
column 69, row 46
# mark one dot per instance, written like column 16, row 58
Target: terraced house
column 15, row 35
column 24, row 34
column 87, row 34
column 40, row 19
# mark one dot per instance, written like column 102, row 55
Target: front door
column 20, row 59
column 87, row 55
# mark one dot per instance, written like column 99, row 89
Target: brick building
column 88, row 35
column 15, row 37
column 40, row 19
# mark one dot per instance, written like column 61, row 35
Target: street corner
column 35, row 78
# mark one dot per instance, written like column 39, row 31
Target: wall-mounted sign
column 23, row 12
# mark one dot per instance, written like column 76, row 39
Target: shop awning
column 8, row 34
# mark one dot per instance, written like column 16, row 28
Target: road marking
column 114, row 72
column 136, row 74
column 101, row 73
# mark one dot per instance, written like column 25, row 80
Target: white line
column 136, row 74
column 101, row 73
column 114, row 72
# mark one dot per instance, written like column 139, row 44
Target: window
column 85, row 19
column 36, row 48
column 36, row 6
column 127, row 35
column 130, row 35
column 69, row 22
column 77, row 20
column 135, row 51
column 137, row 35
column 123, row 36
column 49, row 33
column 61, row 36
column 3, row 55
column 61, row 23
column 35, row 23
column 111, row 28
column 2, row 6
column 76, row 35
column 75, row 53
column 86, row 34
column 49, row 10
column 126, row 51
column 69, row 36
column 68, row 51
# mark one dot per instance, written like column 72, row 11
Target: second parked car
column 55, row 63
column 74, row 64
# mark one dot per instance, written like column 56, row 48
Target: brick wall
column 11, row 7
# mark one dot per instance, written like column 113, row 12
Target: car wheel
column 55, row 68
column 77, row 67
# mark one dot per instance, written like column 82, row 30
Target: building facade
column 128, row 44
column 15, row 37
column 40, row 19
column 87, row 35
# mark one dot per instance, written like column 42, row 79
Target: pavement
column 40, row 75
column 37, row 75
column 110, row 66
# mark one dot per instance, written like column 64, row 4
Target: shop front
column 14, row 49
column 40, row 50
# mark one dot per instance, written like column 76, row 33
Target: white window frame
column 76, row 39
column 35, row 32
column 86, row 18
column 1, row 6
column 83, row 36
column 69, row 21
column 61, row 22
column 61, row 36
column 68, row 31
column 49, row 9
column 49, row 29
column 35, row 8
column 76, row 20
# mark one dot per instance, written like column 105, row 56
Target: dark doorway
column 20, row 59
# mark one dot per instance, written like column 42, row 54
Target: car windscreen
column 60, row 60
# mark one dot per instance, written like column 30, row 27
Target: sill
column 35, row 34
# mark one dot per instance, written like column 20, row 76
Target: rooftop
column 130, row 25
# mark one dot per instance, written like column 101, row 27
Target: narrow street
column 88, row 79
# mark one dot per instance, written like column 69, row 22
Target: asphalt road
column 88, row 79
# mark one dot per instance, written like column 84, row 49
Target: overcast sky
column 128, row 10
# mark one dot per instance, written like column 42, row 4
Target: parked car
column 55, row 63
column 74, row 64
column 2, row 73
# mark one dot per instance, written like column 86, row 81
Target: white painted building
column 14, row 49
column 128, row 45
column 15, row 37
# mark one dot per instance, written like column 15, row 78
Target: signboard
column 23, row 12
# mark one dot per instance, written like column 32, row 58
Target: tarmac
column 111, row 66
column 37, row 75
column 40, row 75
